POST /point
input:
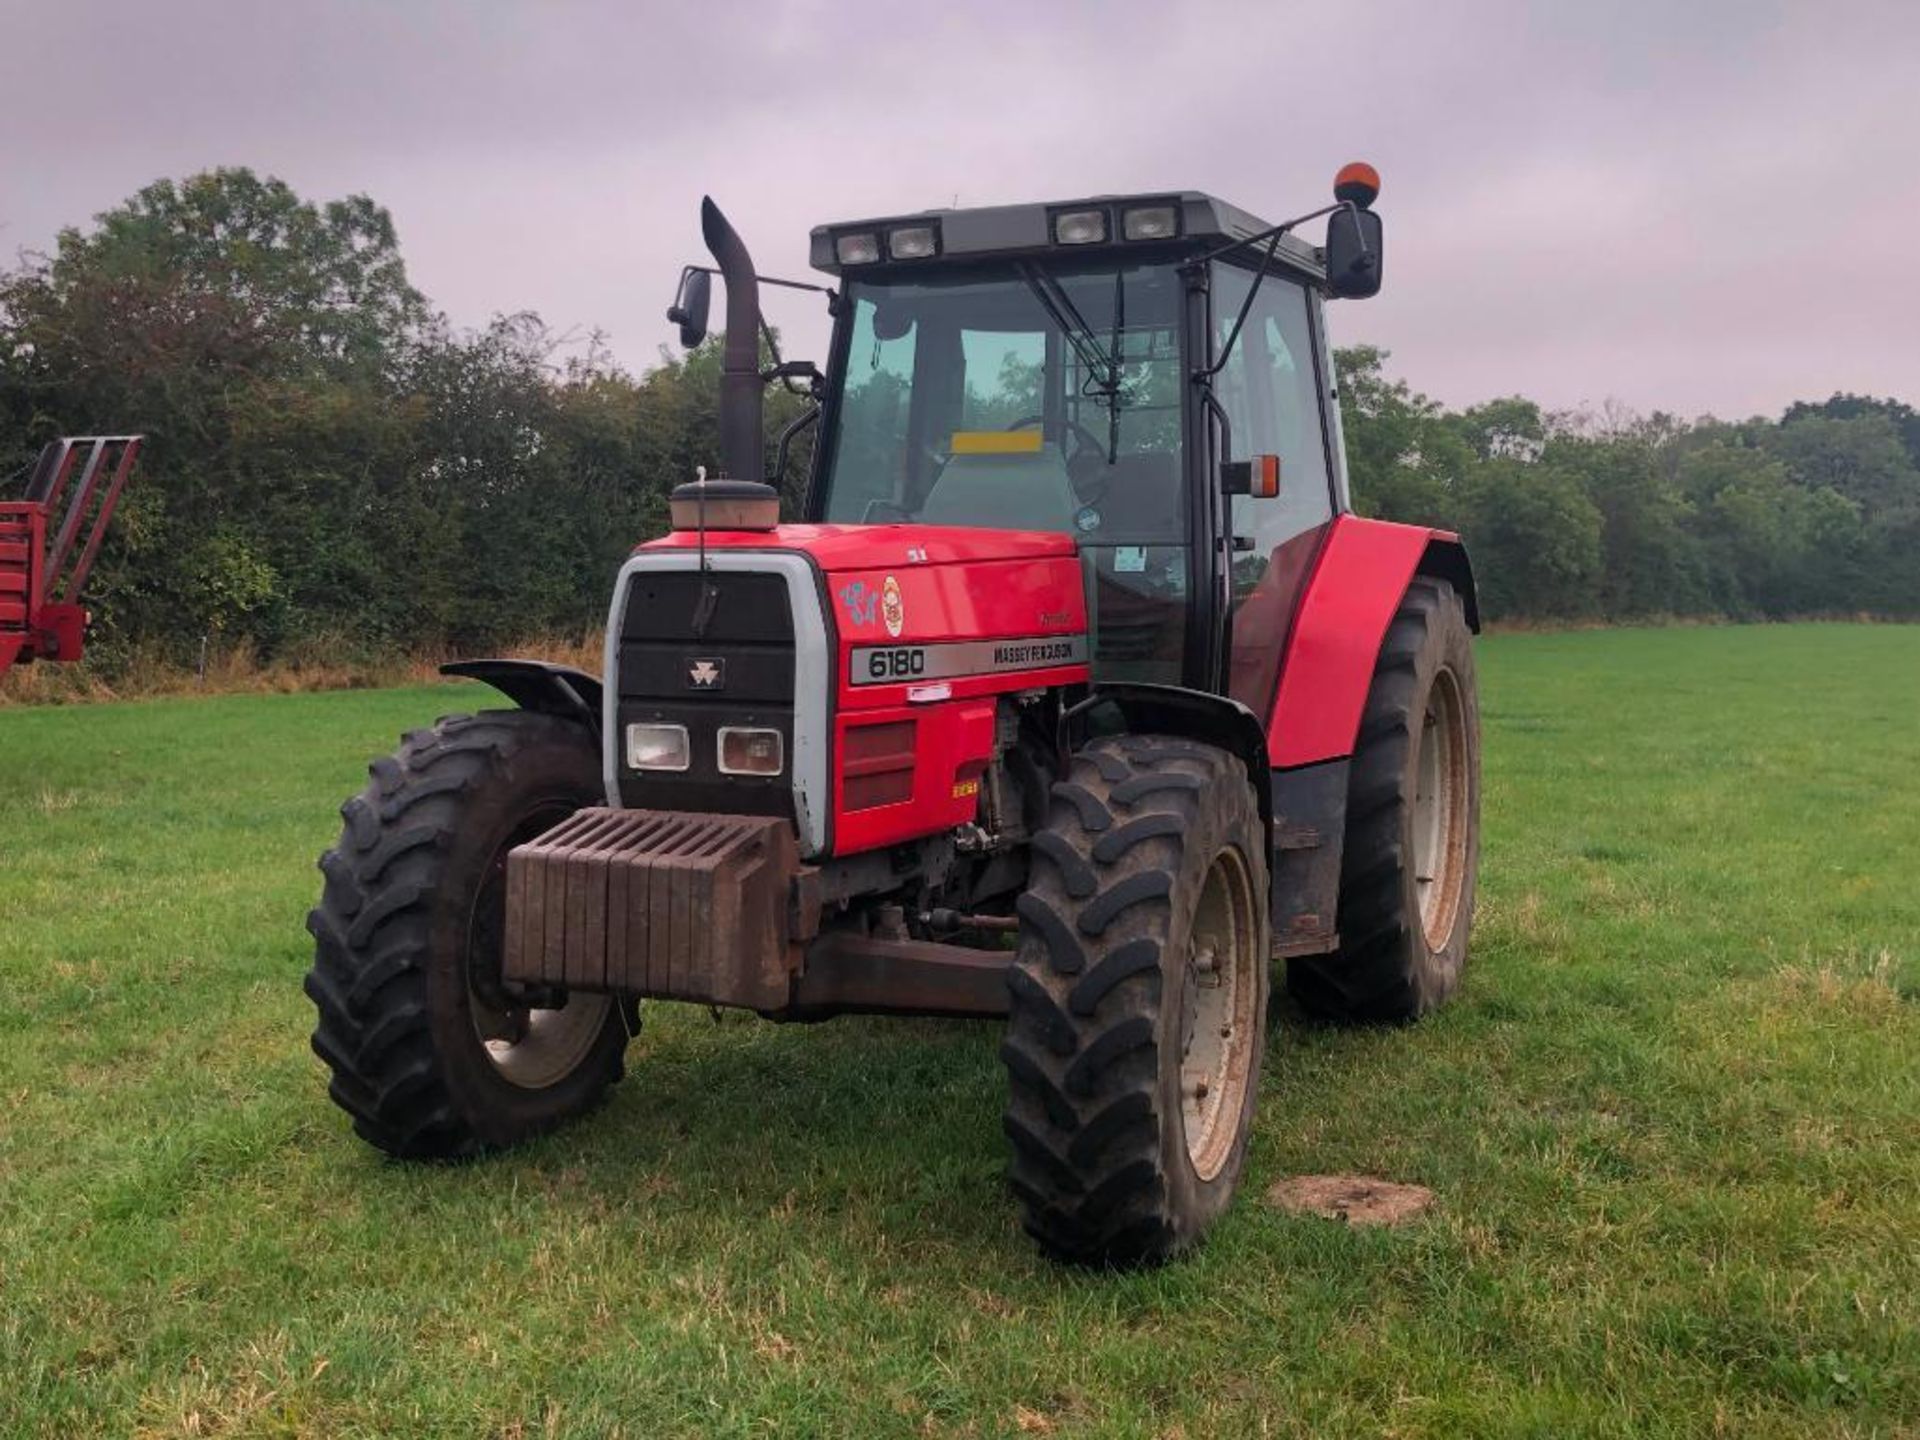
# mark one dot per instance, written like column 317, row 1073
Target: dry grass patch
column 318, row 663
column 1354, row 1199
column 1859, row 985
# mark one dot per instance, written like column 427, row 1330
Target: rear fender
column 535, row 685
column 1357, row 584
column 1446, row 559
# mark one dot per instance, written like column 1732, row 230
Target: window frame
column 846, row 311
column 1324, row 395
column 1210, row 539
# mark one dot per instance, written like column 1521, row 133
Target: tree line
column 332, row 464
column 1617, row 516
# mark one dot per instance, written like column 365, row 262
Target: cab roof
column 987, row 231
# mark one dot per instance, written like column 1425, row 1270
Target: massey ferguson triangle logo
column 706, row 674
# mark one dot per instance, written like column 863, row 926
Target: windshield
column 1025, row 398
column 1022, row 398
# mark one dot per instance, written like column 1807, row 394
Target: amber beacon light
column 1358, row 183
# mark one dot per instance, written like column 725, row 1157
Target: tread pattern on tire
column 373, row 931
column 1080, row 1051
column 1375, row 975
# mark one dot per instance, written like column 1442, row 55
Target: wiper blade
column 1086, row 345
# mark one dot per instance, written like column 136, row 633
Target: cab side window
column 1271, row 394
column 874, row 463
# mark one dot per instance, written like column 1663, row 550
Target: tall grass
column 315, row 662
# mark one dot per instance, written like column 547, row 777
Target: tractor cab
column 1147, row 374
column 1106, row 369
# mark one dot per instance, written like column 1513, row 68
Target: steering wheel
column 1087, row 481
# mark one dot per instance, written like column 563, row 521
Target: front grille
column 706, row 660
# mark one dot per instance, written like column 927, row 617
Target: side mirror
column 690, row 305
column 1353, row 253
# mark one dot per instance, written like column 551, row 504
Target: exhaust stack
column 741, row 448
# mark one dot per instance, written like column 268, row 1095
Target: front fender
column 535, row 685
column 1175, row 710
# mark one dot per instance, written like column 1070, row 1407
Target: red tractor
column 1077, row 698
column 47, row 548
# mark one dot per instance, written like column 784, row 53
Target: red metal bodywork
column 44, row 566
column 951, row 585
column 957, row 584
column 23, row 540
column 1357, row 583
column 856, row 547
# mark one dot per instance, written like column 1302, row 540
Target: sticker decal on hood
column 892, row 610
column 861, row 601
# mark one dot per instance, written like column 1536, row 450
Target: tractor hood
column 859, row 547
column 910, row 585
column 879, row 652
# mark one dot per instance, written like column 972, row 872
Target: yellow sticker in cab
column 892, row 611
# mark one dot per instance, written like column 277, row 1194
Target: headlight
column 911, row 242
column 1080, row 227
column 745, row 750
column 1150, row 222
column 658, row 747
column 857, row 249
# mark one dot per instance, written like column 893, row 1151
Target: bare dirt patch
column 1356, row 1199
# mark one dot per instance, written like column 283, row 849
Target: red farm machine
column 49, row 539
column 1076, row 698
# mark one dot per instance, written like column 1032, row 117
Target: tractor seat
column 1004, row 492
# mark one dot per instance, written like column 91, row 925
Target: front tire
column 431, row 1055
column 1139, row 996
column 1412, row 851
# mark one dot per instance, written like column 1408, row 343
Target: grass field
column 1673, row 1122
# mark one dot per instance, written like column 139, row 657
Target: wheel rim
column 1219, row 993
column 529, row 1046
column 1440, row 810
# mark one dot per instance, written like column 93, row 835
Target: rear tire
column 430, row 1055
column 1139, row 996
column 1412, row 851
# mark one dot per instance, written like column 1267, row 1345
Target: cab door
column 1277, row 390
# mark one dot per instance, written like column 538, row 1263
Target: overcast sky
column 1697, row 205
